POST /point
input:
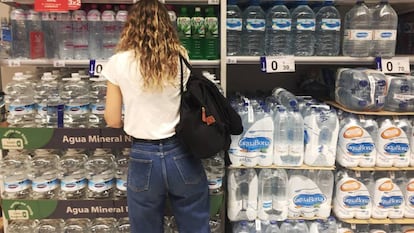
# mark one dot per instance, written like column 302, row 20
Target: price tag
column 395, row 65
column 14, row 63
column 231, row 60
column 278, row 64
column 95, row 67
column 58, row 63
column 213, row 2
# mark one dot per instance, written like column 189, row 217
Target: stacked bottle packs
column 274, row 194
column 364, row 89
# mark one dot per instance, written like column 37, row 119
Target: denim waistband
column 155, row 141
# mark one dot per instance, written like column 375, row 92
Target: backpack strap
column 183, row 59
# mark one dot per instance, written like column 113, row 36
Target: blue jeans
column 160, row 169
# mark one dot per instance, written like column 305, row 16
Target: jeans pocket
column 139, row 173
column 190, row 169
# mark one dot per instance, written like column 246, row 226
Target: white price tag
column 96, row 66
column 278, row 64
column 231, row 60
column 14, row 63
column 213, row 2
column 59, row 63
column 395, row 65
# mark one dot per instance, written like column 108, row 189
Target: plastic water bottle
column 281, row 137
column 97, row 102
column 121, row 18
column 242, row 227
column 384, row 24
column 50, row 225
column 109, row 32
column 64, row 35
column 77, row 225
column 14, row 173
column 287, row 227
column 20, row 38
column 303, row 30
column 328, row 30
column 103, row 225
column 234, row 28
column 184, row 28
column 6, row 38
column 325, row 182
column 272, row 228
column 272, row 199
column 121, row 175
column 80, row 35
column 357, row 31
column 95, row 33
column 43, row 89
column 20, row 101
column 211, row 28
column 301, row 226
column 399, row 92
column 55, row 109
column 254, row 26
column 278, row 30
column 215, row 169
column 75, row 94
column 101, row 175
column 34, row 29
column 285, row 98
column 73, row 182
column 44, row 175
column 197, row 34
column 296, row 138
column 49, row 27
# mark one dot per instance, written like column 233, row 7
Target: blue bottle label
column 281, row 24
column 256, row 24
column 331, row 24
column 305, row 24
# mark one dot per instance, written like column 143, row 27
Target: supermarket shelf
column 380, row 113
column 186, row 2
column 381, row 168
column 303, row 167
column 379, row 221
column 82, row 63
column 314, row 60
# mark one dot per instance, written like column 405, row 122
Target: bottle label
column 184, row 26
column 211, row 26
column 19, row 110
column 100, row 185
column 256, row 24
column 6, row 34
column 197, row 26
column 215, row 183
column 234, row 24
column 71, row 185
column 352, row 34
column 305, row 24
column 281, row 24
column 77, row 109
column 45, row 186
column 331, row 24
column 11, row 187
column 98, row 109
column 385, row 35
column 267, row 205
column 17, row 15
column 121, row 184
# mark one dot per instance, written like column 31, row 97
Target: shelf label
column 14, row 63
column 18, row 214
column 95, row 67
column 58, row 63
column 51, row 5
column 213, row 2
column 395, row 65
column 277, row 64
column 231, row 60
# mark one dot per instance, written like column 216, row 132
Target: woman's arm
column 113, row 107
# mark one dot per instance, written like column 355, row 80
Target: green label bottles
column 184, row 28
column 211, row 27
column 197, row 34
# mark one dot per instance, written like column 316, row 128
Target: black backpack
column 207, row 120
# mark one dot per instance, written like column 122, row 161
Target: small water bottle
column 303, row 30
column 95, row 32
column 285, row 98
column 280, row 145
column 272, row 228
column 296, row 138
column 233, row 28
column 357, row 31
column 384, row 23
column 49, row 27
column 35, row 31
column 121, row 18
column 64, row 35
column 328, row 29
column 80, row 35
column 254, row 25
column 20, row 38
column 109, row 32
column 278, row 30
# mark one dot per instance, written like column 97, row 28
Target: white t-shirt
column 147, row 114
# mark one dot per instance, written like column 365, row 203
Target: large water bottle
column 64, row 35
column 73, row 182
column 303, row 30
column 122, row 162
column 44, row 175
column 384, row 23
column 97, row 102
column 80, row 35
column 272, row 199
column 20, row 101
column 50, row 225
column 253, row 34
column 101, row 170
column 328, row 29
column 184, row 28
column 49, row 27
column 43, row 89
column 14, row 173
column 109, row 32
column 278, row 30
column 399, row 94
column 20, row 38
column 285, row 98
column 296, row 138
column 233, row 28
column 95, row 33
column 357, row 31
column 75, row 94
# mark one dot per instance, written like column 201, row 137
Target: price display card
column 277, row 64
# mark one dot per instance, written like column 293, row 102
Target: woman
column 144, row 82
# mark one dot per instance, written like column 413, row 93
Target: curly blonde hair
column 149, row 32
